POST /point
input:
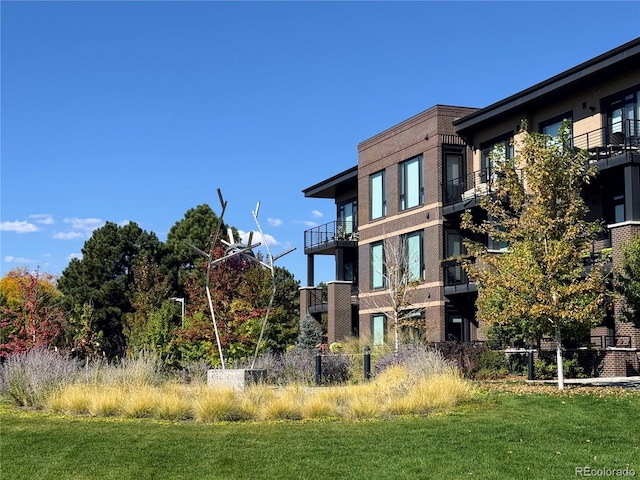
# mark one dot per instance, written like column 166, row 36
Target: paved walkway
column 625, row 382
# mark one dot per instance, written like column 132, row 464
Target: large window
column 378, row 329
column 411, row 187
column 348, row 216
column 457, row 327
column 378, row 201
column 453, row 247
column 414, row 251
column 618, row 209
column 552, row 126
column 377, row 265
column 453, row 175
column 623, row 114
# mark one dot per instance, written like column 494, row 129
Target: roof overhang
column 616, row 60
column 329, row 188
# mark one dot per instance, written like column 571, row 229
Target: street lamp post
column 181, row 301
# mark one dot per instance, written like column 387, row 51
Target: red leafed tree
column 32, row 315
column 235, row 294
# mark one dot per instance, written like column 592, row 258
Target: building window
column 413, row 323
column 453, row 176
column 618, row 209
column 497, row 245
column 552, row 127
column 453, row 248
column 494, row 155
column 457, row 327
column 378, row 201
column 378, row 329
column 348, row 217
column 414, row 252
column 623, row 115
column 377, row 265
column 411, row 187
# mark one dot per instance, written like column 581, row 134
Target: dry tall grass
column 416, row 383
column 395, row 392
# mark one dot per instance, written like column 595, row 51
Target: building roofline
column 326, row 188
column 554, row 83
column 429, row 112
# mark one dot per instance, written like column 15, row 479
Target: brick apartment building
column 414, row 179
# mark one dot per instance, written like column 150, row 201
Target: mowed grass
column 498, row 435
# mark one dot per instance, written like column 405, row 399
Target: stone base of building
column 238, row 379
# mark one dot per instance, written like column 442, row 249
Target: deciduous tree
column 32, row 315
column 539, row 285
column 628, row 280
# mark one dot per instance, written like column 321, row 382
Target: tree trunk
column 559, row 359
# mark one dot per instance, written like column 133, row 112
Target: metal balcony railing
column 338, row 230
column 606, row 142
column 316, row 300
column 470, row 187
column 454, row 274
column 601, row 144
column 610, row 341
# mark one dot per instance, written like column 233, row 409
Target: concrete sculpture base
column 238, row 379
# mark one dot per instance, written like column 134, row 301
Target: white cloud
column 71, row 256
column 274, row 222
column 68, row 235
column 42, row 218
column 79, row 228
column 18, row 227
column 317, row 213
column 22, row 260
column 258, row 238
column 86, row 225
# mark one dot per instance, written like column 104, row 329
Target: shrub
column 489, row 364
column 139, row 370
column 30, row 377
column 420, row 360
column 545, row 366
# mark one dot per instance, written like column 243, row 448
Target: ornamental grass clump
column 174, row 402
column 29, row 378
column 221, row 404
column 285, row 404
column 142, row 369
column 324, row 403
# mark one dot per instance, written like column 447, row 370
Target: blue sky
column 118, row 111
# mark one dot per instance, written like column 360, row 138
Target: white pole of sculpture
column 233, row 250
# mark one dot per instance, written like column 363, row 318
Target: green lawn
column 499, row 436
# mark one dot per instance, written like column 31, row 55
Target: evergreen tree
column 310, row 335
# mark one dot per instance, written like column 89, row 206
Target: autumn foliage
column 32, row 315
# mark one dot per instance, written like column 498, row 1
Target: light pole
column 180, row 300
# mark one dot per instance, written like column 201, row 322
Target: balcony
column 465, row 192
column 456, row 279
column 612, row 145
column 317, row 301
column 607, row 147
column 324, row 239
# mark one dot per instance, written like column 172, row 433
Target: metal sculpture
column 239, row 249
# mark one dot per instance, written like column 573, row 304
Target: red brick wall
column 424, row 134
